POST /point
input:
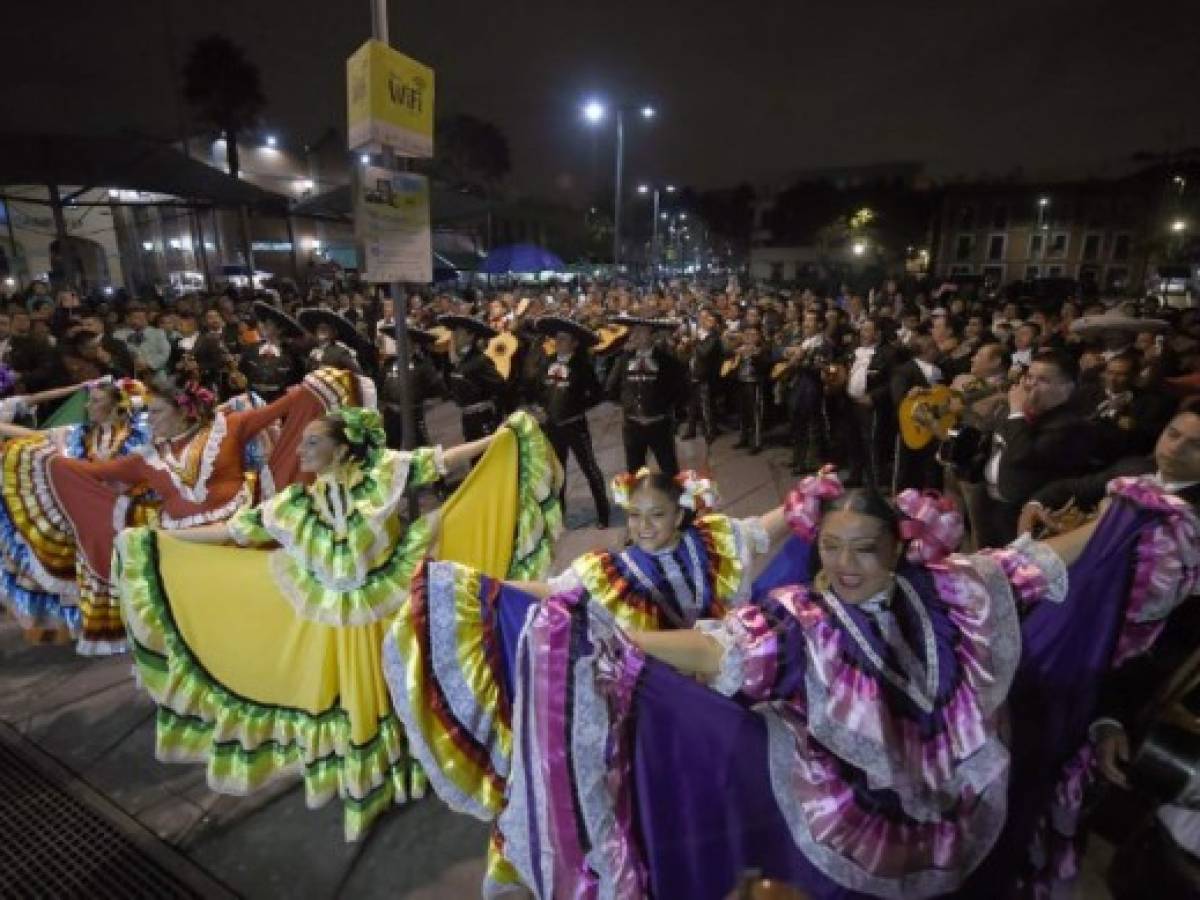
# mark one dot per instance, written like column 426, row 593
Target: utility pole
column 617, row 198
column 379, row 31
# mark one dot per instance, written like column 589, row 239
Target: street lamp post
column 645, row 189
column 594, row 111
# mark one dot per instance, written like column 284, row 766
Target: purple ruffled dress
column 851, row 751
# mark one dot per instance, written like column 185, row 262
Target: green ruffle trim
column 539, row 512
column 359, row 573
column 247, row 744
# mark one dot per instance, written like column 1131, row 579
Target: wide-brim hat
column 467, row 323
column 645, row 322
column 422, row 337
column 313, row 316
column 552, row 325
column 265, row 312
column 1117, row 321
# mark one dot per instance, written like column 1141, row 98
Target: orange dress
column 199, row 478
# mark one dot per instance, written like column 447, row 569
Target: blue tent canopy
column 521, row 258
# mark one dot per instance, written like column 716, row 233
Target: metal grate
column 60, row 839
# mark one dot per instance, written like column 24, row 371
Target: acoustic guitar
column 500, row 350
column 444, row 338
column 923, row 408
column 926, row 407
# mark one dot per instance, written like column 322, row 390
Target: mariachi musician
column 646, row 380
column 706, row 353
column 424, row 382
column 804, row 367
column 338, row 342
column 752, row 368
column 270, row 366
column 567, row 389
column 475, row 384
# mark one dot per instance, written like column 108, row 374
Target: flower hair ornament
column 697, row 493
column 802, row 509
column 623, row 484
column 195, row 402
column 131, row 395
column 364, row 427
column 933, row 526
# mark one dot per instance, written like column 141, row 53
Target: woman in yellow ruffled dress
column 266, row 661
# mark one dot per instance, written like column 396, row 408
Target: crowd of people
column 985, row 610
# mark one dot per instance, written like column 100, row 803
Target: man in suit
column 704, row 372
column 568, row 389
column 916, row 468
column 647, row 380
column 753, row 367
column 872, row 419
column 1125, row 419
column 1170, row 848
column 1042, row 439
column 474, row 383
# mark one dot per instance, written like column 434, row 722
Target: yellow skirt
column 254, row 690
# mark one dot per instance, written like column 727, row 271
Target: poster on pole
column 391, row 224
column 389, row 102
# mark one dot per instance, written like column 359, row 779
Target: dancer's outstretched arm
column 15, row 431
column 464, row 453
column 217, row 533
column 53, row 394
column 691, row 652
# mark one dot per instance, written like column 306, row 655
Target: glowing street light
column 859, row 248
column 272, row 141
column 670, row 188
column 365, row 159
column 643, row 188
column 1043, row 201
column 594, row 111
column 1179, row 226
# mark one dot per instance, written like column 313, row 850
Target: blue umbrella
column 520, row 258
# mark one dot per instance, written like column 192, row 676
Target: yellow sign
column 389, row 99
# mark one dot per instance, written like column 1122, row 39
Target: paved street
column 89, row 715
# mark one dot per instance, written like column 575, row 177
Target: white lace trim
column 205, row 517
column 198, row 492
column 1053, row 569
column 981, row 831
column 731, row 673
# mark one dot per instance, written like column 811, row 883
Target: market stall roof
column 134, row 164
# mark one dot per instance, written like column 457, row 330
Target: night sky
column 746, row 90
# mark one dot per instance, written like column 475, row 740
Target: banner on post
column 389, row 101
column 391, row 224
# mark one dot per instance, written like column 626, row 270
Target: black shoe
column 689, row 435
column 754, row 451
column 741, row 445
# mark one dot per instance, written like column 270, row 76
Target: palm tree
column 224, row 88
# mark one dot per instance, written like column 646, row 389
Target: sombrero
column 1117, row 321
column 422, row 337
column 313, row 316
column 265, row 312
column 552, row 325
column 476, row 327
column 643, row 321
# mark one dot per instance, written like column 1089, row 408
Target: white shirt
column 931, row 372
column 856, row 386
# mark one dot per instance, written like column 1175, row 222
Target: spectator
column 148, row 345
